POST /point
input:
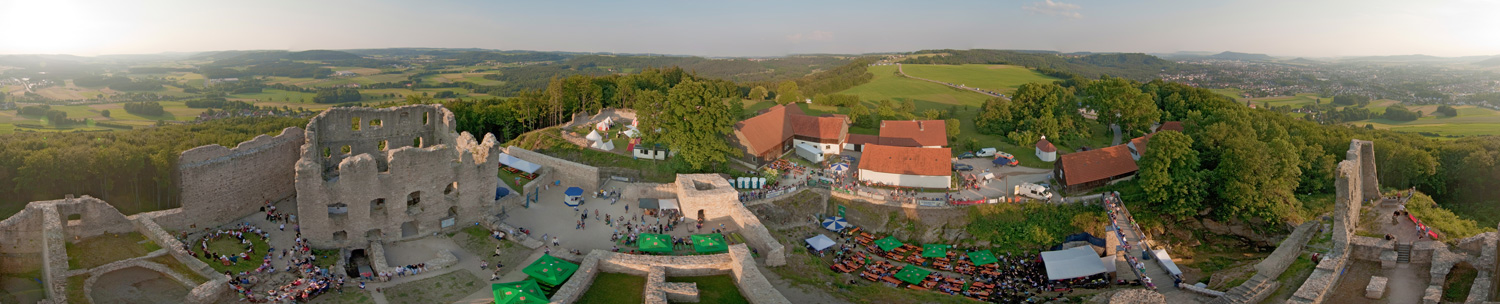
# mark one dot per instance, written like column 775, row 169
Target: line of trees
column 145, row 108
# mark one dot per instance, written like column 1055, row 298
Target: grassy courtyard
column 609, row 288
column 445, row 288
column 714, row 289
column 99, row 250
column 227, row 245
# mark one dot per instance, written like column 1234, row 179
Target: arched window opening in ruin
column 375, row 123
column 451, row 189
column 327, row 152
column 377, row 207
column 346, row 149
column 426, row 116
column 340, row 236
column 417, row 142
column 354, row 123
column 382, row 145
column 75, row 217
column 414, row 198
column 338, row 209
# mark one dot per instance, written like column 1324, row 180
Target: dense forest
column 1135, row 66
column 130, row 169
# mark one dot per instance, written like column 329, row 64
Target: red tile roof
column 860, row 139
column 777, row 124
column 908, row 160
column 1141, row 142
column 1093, row 165
column 913, row 133
column 1045, row 146
column 1170, row 125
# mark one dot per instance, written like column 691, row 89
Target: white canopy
column 668, row 204
column 593, row 135
column 604, row 145
column 820, row 242
column 519, row 164
column 1109, row 263
column 1072, row 263
column 632, row 132
column 1166, row 262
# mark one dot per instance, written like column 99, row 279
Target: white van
column 1033, row 191
column 986, row 152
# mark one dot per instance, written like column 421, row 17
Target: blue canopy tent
column 840, row 167
column 575, row 196
column 501, row 191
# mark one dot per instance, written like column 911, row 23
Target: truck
column 1034, row 191
column 986, row 152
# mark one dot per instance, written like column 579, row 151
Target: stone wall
column 570, row 173
column 1263, row 283
column 21, row 240
column 96, row 272
column 738, row 263
column 54, row 255
column 406, row 190
column 1370, row 249
column 220, row 185
column 716, row 198
column 1354, row 181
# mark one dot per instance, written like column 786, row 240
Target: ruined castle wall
column 96, row 217
column 716, row 198
column 397, row 193
column 1354, row 182
column 738, row 263
column 21, row 241
column 570, row 173
column 219, row 184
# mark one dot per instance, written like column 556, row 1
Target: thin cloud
column 814, row 36
column 1051, row 8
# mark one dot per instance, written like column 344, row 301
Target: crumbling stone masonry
column 737, row 263
column 220, row 185
column 391, row 174
column 1354, row 182
column 714, row 197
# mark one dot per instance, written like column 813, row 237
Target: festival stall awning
column 651, row 242
column 522, row 292
column 888, row 243
column 1071, row 263
column 650, row 203
column 913, row 274
column 835, row 223
column 1166, row 262
column 935, row 250
column 710, row 243
column 550, row 270
column 519, row 164
column 668, row 204
column 820, row 242
column 982, row 257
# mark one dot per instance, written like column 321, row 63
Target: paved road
column 976, row 90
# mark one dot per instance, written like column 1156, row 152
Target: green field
column 999, row 78
column 275, row 95
column 1470, row 121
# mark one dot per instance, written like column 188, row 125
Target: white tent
column 593, row 135
column 819, row 242
column 519, row 164
column 1072, row 263
column 604, row 145
column 1109, row 263
column 1166, row 262
column 668, row 204
column 632, row 132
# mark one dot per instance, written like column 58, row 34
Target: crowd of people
column 1118, row 216
column 239, row 232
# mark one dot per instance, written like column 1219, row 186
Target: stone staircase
column 1254, row 290
column 1403, row 253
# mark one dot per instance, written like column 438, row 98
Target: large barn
column 1086, row 170
column 780, row 128
column 914, row 133
column 906, row 166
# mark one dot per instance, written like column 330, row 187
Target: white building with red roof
column 1045, row 150
column 906, row 166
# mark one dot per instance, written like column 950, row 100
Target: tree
column 758, row 93
column 931, row 114
column 787, row 93
column 1120, row 101
column 104, row 113
column 696, row 121
column 952, row 125
column 1170, row 175
column 1447, row 111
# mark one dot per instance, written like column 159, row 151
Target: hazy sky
column 758, row 28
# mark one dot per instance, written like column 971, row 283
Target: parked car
column 963, row 167
column 967, row 155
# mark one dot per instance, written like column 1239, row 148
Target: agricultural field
column 274, row 95
column 1470, row 121
column 993, row 77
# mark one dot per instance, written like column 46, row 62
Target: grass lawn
column 75, row 289
column 227, row 245
column 446, row 288
column 1232, row 93
column 993, row 77
column 714, row 289
column 174, row 265
column 276, row 95
column 1292, row 278
column 351, row 295
column 1470, row 121
column 612, row 287
column 22, row 287
column 99, row 250
column 1456, row 285
column 510, row 180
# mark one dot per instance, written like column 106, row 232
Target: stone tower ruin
column 391, row 174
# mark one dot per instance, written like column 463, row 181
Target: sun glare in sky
column 56, row 26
